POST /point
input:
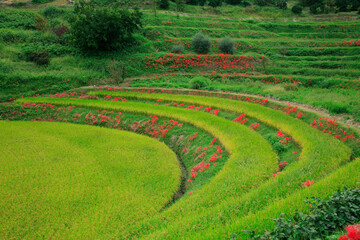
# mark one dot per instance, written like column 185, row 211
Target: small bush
column 297, row 9
column 60, row 30
column 201, row 43
column 199, row 82
column 324, row 217
column 177, row 49
column 41, row 58
column 226, row 45
column 51, row 12
column 164, row 4
column 40, row 22
column 282, row 5
column 107, row 28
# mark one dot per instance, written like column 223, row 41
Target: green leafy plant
column 296, row 9
column 199, row 82
column 323, row 217
column 41, row 58
column 106, row 27
column 226, row 45
column 40, row 22
column 201, row 43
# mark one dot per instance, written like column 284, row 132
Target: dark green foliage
column 41, row 58
column 103, row 28
column 233, row 2
column 177, row 49
column 164, row 4
column 262, row 3
column 201, row 2
column 226, row 45
column 199, row 82
column 41, row 1
column 282, row 4
column 316, row 8
column 297, row 9
column 51, row 12
column 201, row 43
column 215, row 3
column 323, row 217
column 17, row 19
column 348, row 5
column 60, row 30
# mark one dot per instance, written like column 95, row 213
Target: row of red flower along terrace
column 220, row 61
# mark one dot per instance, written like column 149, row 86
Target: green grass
column 71, row 181
column 248, row 193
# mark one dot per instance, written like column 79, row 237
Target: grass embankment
column 233, row 198
column 80, row 182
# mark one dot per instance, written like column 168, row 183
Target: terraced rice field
column 248, row 188
column 151, row 158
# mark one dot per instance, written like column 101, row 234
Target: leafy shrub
column 40, row 22
column 106, row 27
column 60, row 30
column 201, row 43
column 199, row 82
column 297, row 9
column 177, row 49
column 20, row 19
column 226, row 45
column 215, row 3
column 51, row 11
column 282, row 4
column 164, row 4
column 323, row 217
column 39, row 57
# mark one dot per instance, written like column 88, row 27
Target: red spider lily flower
column 219, row 150
column 189, row 180
column 275, row 174
column 299, row 115
column 280, row 134
column 307, row 183
column 283, row 164
column 208, row 109
column 190, row 193
column 244, row 121
column 287, row 138
column 353, row 233
column 193, row 174
column 294, row 152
